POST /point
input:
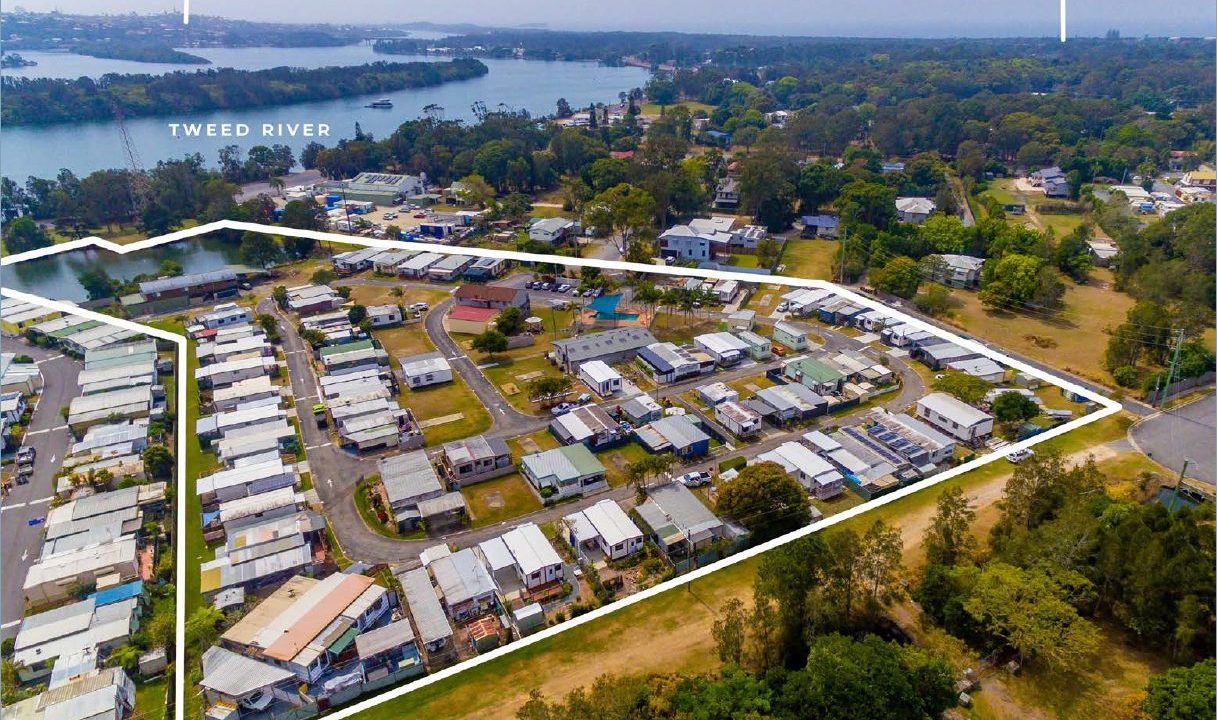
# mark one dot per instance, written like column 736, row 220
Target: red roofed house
column 470, row 320
column 491, row 296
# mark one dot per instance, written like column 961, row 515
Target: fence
column 1180, row 387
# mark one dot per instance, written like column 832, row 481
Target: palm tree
column 277, row 184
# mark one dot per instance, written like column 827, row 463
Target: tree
column 302, row 215
column 1182, row 693
column 299, row 248
column 97, row 283
column 548, row 388
column 1021, row 283
column 158, row 462
column 202, row 627
column 161, row 629
column 474, row 190
column 357, row 314
column 623, row 208
column 639, row 472
column 901, row 276
column 764, row 499
column 259, row 249
column 1072, row 255
column 269, row 325
column 510, row 321
column 1012, row 407
column 1029, row 611
column 23, row 235
column 730, row 632
column 945, row 233
column 948, row 538
column 1039, row 487
column 125, row 657
column 279, row 295
column 490, row 342
column 967, row 388
column 819, row 184
column 935, row 301
column 867, row 203
column 322, row 276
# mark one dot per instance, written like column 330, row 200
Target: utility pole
column 1170, row 370
column 1178, row 483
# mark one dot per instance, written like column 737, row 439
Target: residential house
column 604, row 527
column 465, row 586
column 449, row 268
column 564, row 471
column 537, row 563
column 384, row 315
column 955, row 417
column 434, row 630
column 426, row 369
column 919, row 444
column 725, row 348
column 53, row 578
column 1101, row 252
column 739, row 419
column 759, row 346
column 312, row 299
column 676, row 433
column 587, row 424
column 914, row 209
column 408, row 479
column 727, row 194
column 820, row 377
column 418, row 266
column 474, row 459
column 981, row 367
column 353, row 261
column 492, row 296
column 821, row 226
column 239, row 482
column 678, row 523
column 941, row 355
column 640, row 410
column 814, row 473
column 487, row 268
column 961, row 271
column 600, row 377
column 669, row 363
column 225, row 315
column 551, row 231
column 792, row 402
column 791, row 335
column 717, row 392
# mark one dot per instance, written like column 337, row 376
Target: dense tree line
column 139, row 52
column 1064, row 555
column 44, row 101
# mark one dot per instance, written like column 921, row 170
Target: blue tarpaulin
column 109, row 596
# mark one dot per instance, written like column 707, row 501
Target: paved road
column 1187, row 431
column 21, row 543
column 336, row 472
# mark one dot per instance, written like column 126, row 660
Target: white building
column 725, row 348
column 537, row 563
column 955, row 417
column 600, row 377
column 717, row 392
column 224, row 316
column 606, row 527
column 737, row 418
column 914, row 209
column 813, row 472
column 426, row 369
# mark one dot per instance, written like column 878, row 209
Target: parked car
column 390, row 216
column 583, row 399
column 420, row 214
column 26, row 456
column 561, row 409
column 530, row 285
column 544, row 286
column 24, row 475
column 783, row 306
column 1020, row 455
column 420, row 306
column 694, row 479
column 625, row 425
column 563, row 288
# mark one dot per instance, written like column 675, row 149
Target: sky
column 882, row 18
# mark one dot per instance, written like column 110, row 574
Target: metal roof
column 424, row 606
column 611, row 522
column 235, row 675
column 596, row 345
column 185, row 281
column 532, row 552
column 564, row 464
column 679, row 431
column 384, row 638
column 475, row 448
column 408, row 476
column 461, row 577
column 954, row 409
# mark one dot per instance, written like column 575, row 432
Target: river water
column 529, row 85
column 56, row 276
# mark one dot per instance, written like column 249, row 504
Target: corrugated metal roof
column 235, row 675
column 532, row 552
column 461, row 577
column 424, row 606
column 408, row 476
column 384, row 639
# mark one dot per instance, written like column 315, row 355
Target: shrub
column 1126, row 376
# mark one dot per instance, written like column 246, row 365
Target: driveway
column 47, row 433
column 1184, row 432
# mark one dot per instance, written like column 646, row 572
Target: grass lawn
column 404, row 340
column 383, row 294
column 1073, row 340
column 808, row 258
column 844, row 501
column 692, row 105
column 616, row 459
column 679, row 329
column 745, row 261
column 447, row 399
column 543, row 439
column 509, row 370
column 764, row 300
column 150, row 698
column 495, row 501
column 671, row 632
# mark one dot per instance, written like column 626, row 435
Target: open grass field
column 765, row 299
column 671, row 633
column 404, row 340
column 1073, row 340
column 531, row 443
column 509, row 370
column 616, row 460
column 808, row 258
column 501, row 499
column 678, row 328
column 446, row 399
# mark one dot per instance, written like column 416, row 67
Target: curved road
column 1186, row 431
column 336, row 472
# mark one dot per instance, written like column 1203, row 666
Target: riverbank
column 49, row 102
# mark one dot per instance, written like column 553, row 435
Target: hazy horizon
column 876, row 18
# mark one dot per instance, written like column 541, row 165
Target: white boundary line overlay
column 179, row 537
column 1107, row 407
